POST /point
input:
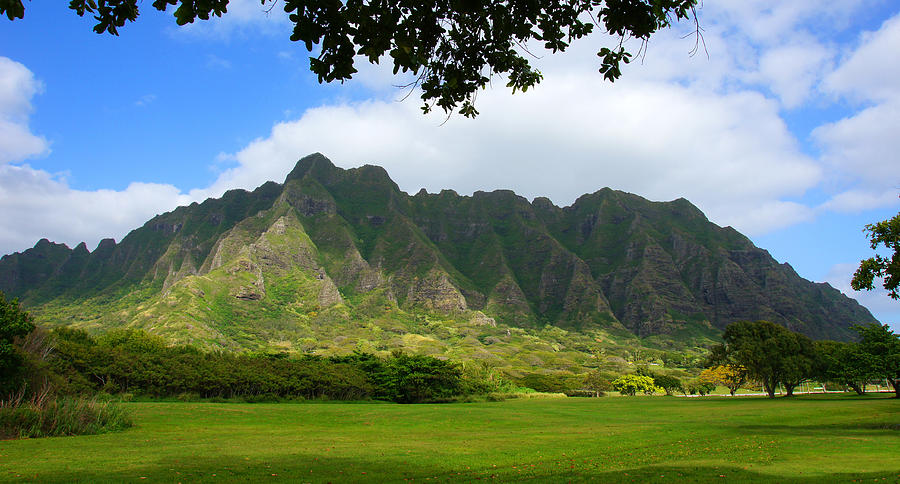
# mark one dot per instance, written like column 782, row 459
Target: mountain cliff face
column 288, row 264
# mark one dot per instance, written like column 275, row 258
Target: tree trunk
column 770, row 389
column 857, row 388
column 789, row 389
column 895, row 382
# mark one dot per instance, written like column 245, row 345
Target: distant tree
column 730, row 376
column 14, row 323
column 668, row 383
column 771, row 353
column 596, row 382
column 885, row 233
column 418, row 378
column 452, row 48
column 843, row 363
column 882, row 346
column 701, row 387
column 631, row 384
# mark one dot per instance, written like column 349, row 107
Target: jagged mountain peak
column 314, row 163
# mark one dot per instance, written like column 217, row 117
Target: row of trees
column 771, row 354
column 130, row 361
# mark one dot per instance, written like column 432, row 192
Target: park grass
column 811, row 438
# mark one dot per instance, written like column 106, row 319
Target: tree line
column 773, row 355
column 132, row 361
column 766, row 355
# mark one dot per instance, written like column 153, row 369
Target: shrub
column 631, row 384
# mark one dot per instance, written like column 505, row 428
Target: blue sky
column 786, row 126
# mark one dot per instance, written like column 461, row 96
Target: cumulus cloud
column 37, row 204
column 870, row 72
column 17, row 86
column 865, row 145
column 861, row 150
column 730, row 154
column 792, row 71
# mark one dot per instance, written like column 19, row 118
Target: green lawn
column 809, row 438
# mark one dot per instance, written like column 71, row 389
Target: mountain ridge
column 611, row 260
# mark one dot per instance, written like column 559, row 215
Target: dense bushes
column 136, row 362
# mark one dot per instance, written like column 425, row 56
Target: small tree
column 668, row 383
column 631, row 384
column 14, row 323
column 730, row 376
column 597, row 383
column 701, row 387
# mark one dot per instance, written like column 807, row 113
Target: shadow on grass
column 325, row 469
column 879, row 429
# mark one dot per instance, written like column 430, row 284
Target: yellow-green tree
column 631, row 384
column 730, row 376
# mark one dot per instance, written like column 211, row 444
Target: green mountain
column 334, row 260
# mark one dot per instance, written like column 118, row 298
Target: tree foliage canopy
column 14, row 323
column 881, row 347
column 885, row 233
column 631, row 384
column 770, row 353
column 453, row 48
column 730, row 376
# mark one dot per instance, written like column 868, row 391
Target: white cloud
column 865, row 145
column 871, row 71
column 17, row 87
column 862, row 151
column 36, row 204
column 145, row 100
column 855, row 201
column 730, row 154
column 792, row 71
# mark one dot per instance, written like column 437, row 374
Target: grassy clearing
column 809, row 439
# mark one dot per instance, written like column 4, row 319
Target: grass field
column 641, row 439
